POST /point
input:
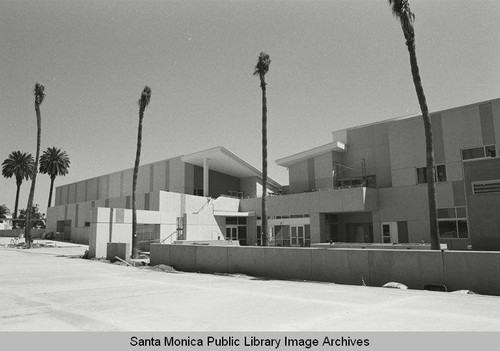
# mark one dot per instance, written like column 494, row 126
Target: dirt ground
column 51, row 289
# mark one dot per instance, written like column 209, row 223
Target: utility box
column 121, row 250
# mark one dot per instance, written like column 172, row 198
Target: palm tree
column 261, row 69
column 39, row 96
column 21, row 166
column 401, row 10
column 4, row 211
column 143, row 102
column 54, row 162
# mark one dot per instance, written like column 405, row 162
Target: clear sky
column 335, row 64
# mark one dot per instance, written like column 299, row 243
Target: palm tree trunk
column 14, row 216
column 51, row 190
column 431, row 185
column 135, row 248
column 265, row 233
column 27, row 230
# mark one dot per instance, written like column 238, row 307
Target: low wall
column 15, row 233
column 472, row 270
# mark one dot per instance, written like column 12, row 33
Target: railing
column 161, row 242
column 202, row 207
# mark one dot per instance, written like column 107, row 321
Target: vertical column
column 205, row 177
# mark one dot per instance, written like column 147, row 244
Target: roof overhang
column 223, row 161
column 234, row 214
column 290, row 160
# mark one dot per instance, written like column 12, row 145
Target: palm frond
column 54, row 162
column 401, row 10
column 39, row 93
column 262, row 66
column 19, row 164
column 145, row 97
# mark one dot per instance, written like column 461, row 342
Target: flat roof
column 399, row 118
column 289, row 160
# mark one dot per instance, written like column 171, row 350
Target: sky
column 335, row 64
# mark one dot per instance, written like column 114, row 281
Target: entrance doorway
column 236, row 229
column 64, row 230
column 359, row 232
column 390, row 232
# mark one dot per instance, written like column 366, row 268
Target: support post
column 205, row 178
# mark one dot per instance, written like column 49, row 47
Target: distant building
column 367, row 186
column 6, row 224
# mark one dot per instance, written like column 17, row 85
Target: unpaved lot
column 49, row 289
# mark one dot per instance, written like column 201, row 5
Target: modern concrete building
column 190, row 197
column 368, row 185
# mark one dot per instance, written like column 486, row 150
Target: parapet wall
column 457, row 270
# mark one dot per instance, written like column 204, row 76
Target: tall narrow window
column 439, row 174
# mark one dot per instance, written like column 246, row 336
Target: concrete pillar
column 205, row 177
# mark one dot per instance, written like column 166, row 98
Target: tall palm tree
column 261, row 68
column 401, row 10
column 39, row 96
column 21, row 166
column 54, row 162
column 143, row 102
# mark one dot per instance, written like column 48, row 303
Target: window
column 439, row 174
column 180, row 228
column 479, row 152
column 386, row 233
column 486, row 187
column 198, row 191
column 282, row 235
column 453, row 223
column 87, row 224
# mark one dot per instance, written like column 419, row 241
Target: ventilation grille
column 491, row 186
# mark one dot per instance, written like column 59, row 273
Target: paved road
column 48, row 290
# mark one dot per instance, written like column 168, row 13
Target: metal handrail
column 168, row 237
column 206, row 203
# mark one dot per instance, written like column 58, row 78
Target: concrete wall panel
column 404, row 176
column 407, row 143
column 212, row 259
column 160, row 254
column 340, row 266
column 183, row 257
column 495, row 109
column 72, row 194
column 143, row 179
column 476, row 271
column 323, row 166
column 91, row 189
column 177, row 175
column 454, row 171
column 81, row 191
column 288, row 263
column 159, row 176
column 298, row 177
column 114, row 185
column 419, row 231
column 461, row 129
column 415, row 269
column 125, row 182
column 246, row 260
